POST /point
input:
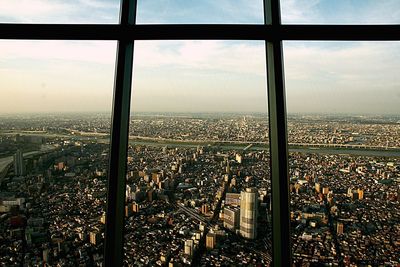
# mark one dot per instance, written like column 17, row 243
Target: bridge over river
column 351, row 149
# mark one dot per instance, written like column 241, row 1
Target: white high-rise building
column 248, row 213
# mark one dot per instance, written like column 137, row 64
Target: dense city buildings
column 136, row 133
column 198, row 190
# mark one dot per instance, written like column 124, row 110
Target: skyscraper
column 189, row 244
column 211, row 240
column 19, row 167
column 248, row 213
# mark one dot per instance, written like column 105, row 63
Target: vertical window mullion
column 119, row 142
column 281, row 245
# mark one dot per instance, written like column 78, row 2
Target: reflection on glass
column 200, row 12
column 54, row 151
column 344, row 152
column 198, row 183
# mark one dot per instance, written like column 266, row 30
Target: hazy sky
column 194, row 76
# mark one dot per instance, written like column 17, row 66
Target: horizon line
column 138, row 113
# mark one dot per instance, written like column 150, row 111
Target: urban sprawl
column 198, row 190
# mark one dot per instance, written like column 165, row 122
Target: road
column 192, row 214
column 4, row 162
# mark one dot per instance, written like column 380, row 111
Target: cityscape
column 198, row 189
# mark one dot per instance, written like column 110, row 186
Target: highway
column 192, row 214
column 4, row 162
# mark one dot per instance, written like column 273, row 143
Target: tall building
column 232, row 199
column 19, row 167
column 211, row 240
column 128, row 210
column 103, row 218
column 318, row 187
column 205, row 208
column 325, row 190
column 239, row 158
column 339, row 228
column 248, row 213
column 360, row 194
column 228, row 167
column 135, row 207
column 94, row 238
column 231, row 218
column 189, row 245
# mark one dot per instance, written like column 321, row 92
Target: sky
column 200, row 76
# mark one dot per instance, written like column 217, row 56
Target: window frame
column 272, row 32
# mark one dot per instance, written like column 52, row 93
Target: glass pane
column 200, row 12
column 58, row 11
column 344, row 142
column 340, row 12
column 55, row 110
column 198, row 182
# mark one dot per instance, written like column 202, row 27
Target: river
column 239, row 147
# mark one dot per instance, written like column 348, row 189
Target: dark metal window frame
column 272, row 32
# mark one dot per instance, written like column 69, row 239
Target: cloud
column 346, row 77
column 57, row 11
column 107, row 4
column 345, row 62
column 177, row 75
column 100, row 52
column 299, row 11
column 28, row 9
column 50, row 76
column 340, row 12
column 381, row 12
column 223, row 56
column 194, row 76
column 206, row 11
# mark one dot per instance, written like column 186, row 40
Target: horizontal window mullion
column 200, row 32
